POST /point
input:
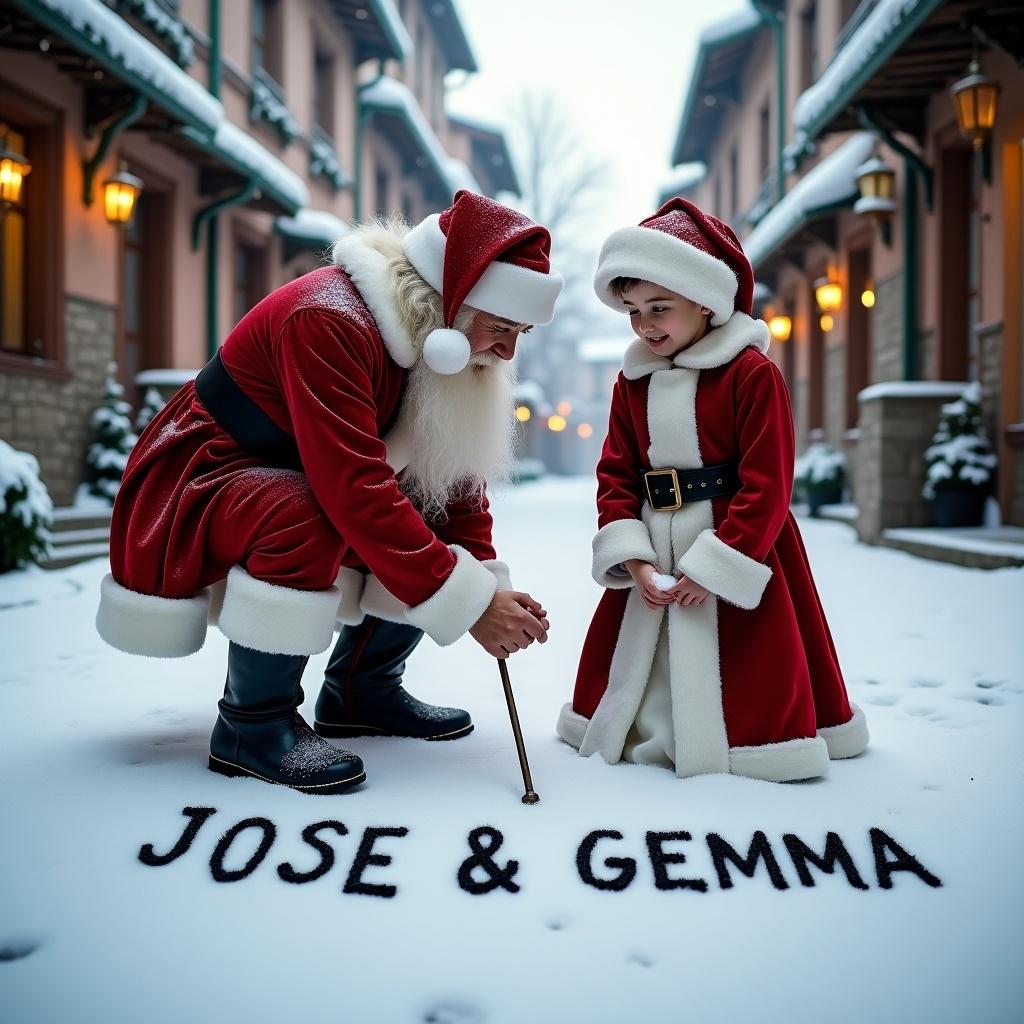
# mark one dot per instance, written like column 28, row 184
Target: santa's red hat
column 488, row 256
column 686, row 250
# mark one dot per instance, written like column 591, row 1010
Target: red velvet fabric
column 192, row 504
column 780, row 674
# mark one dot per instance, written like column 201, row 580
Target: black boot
column 363, row 695
column 260, row 733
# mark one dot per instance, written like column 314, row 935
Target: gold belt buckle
column 672, row 479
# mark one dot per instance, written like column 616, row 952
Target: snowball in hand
column 663, row 582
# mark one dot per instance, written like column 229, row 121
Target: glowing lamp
column 877, row 184
column 828, row 294
column 557, row 423
column 13, row 168
column 867, row 298
column 827, row 323
column 976, row 98
column 120, row 195
column 585, row 430
column 780, row 327
column 563, row 408
column 523, row 413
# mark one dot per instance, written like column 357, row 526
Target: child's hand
column 651, row 594
column 687, row 592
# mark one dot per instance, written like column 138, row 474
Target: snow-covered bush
column 960, row 457
column 822, row 468
column 152, row 403
column 26, row 511
column 108, row 454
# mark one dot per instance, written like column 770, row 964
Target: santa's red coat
column 327, row 361
column 756, row 685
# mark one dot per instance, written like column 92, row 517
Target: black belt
column 251, row 428
column 668, row 489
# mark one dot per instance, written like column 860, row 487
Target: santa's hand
column 511, row 623
column 645, row 576
column 687, row 592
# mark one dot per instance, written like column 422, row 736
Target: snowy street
column 101, row 754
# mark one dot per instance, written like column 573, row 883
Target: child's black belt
column 669, row 489
column 250, row 427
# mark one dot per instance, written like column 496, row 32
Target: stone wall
column 50, row 418
column 835, row 393
column 799, row 398
column 887, row 330
column 990, row 370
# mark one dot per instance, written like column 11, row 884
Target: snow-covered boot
column 260, row 733
column 363, row 694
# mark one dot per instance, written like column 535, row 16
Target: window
column 250, row 278
column 13, row 257
column 266, row 36
column 764, row 141
column 323, row 92
column 809, row 43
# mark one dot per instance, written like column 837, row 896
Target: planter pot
column 958, row 508
column 823, row 494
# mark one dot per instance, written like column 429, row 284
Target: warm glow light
column 780, row 327
column 829, row 295
column 827, row 323
column 13, row 168
column 585, row 430
column 557, row 424
column 867, row 298
column 976, row 99
column 563, row 408
column 120, row 195
column 523, row 413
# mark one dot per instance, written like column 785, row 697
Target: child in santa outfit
column 709, row 651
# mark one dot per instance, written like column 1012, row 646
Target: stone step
column 980, row 548
column 94, row 534
column 72, row 518
column 75, row 553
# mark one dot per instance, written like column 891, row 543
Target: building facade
column 787, row 103
column 258, row 131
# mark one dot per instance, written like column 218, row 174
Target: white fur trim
column 726, row 572
column 504, row 289
column 216, row 591
column 381, row 603
column 716, row 348
column 350, row 584
column 848, row 739
column 368, row 269
column 399, row 443
column 788, row 761
column 458, row 603
column 615, row 543
column 157, row 627
column 275, row 619
column 571, row 726
column 501, row 572
column 446, row 351
column 652, row 255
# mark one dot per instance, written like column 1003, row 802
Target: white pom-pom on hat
column 446, row 350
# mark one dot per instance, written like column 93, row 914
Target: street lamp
column 523, row 413
column 976, row 98
column 780, row 327
column 120, row 194
column 13, row 168
column 557, row 423
column 877, row 184
column 828, row 294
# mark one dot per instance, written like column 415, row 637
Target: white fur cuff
column 458, row 603
column 350, row 583
column 501, row 572
column 275, row 619
column 788, row 761
column 157, row 627
column 381, row 603
column 848, row 739
column 617, row 542
column 571, row 726
column 726, row 572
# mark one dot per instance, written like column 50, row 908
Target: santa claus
column 330, row 463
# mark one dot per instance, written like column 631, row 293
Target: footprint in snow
column 641, row 959
column 17, row 949
column 882, row 700
column 451, row 1012
column 925, row 684
column 557, row 924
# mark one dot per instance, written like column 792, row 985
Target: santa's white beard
column 460, row 429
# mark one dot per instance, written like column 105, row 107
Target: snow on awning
column 114, row 45
column 312, row 227
column 603, row 350
column 387, row 96
column 830, row 184
column 681, row 180
column 462, row 176
column 881, row 33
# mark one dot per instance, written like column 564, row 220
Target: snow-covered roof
column 682, row 178
column 603, row 350
column 884, row 29
column 831, row 182
column 313, row 226
column 462, row 176
column 117, row 46
column 744, row 20
column 168, row 377
column 240, row 146
column 386, row 94
column 913, row 389
column 391, row 22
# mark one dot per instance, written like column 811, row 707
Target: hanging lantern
column 976, row 98
column 828, row 294
column 120, row 195
column 780, row 327
column 826, row 322
column 13, row 168
column 585, row 430
column 877, row 184
column 867, row 298
column 557, row 423
column 563, row 408
column 523, row 413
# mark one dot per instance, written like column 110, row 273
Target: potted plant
column 819, row 476
column 26, row 511
column 960, row 463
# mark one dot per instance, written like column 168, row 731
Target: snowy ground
column 100, row 753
